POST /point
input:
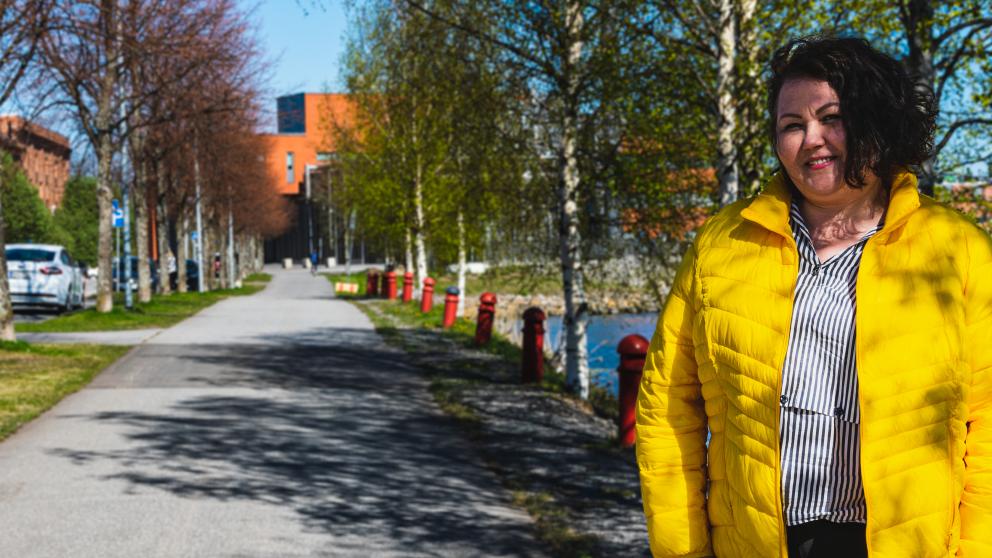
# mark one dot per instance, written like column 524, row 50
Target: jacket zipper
column 857, row 365
column 783, row 544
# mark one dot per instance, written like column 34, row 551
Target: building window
column 290, row 170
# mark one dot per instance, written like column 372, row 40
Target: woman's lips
column 820, row 162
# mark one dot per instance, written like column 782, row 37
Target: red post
column 382, row 285
column 450, row 306
column 372, row 283
column 633, row 350
column 532, row 370
column 407, row 286
column 484, row 323
column 427, row 296
column 391, row 285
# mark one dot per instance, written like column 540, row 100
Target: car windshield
column 29, row 255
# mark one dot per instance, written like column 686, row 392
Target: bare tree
column 23, row 23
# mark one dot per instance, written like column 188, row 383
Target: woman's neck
column 837, row 225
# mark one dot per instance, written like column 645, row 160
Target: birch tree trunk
column 726, row 147
column 462, row 263
column 408, row 250
column 749, row 150
column 6, row 308
column 575, row 319
column 181, row 256
column 919, row 30
column 418, row 225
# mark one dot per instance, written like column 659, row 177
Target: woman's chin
column 821, row 186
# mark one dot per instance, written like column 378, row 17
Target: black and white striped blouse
column 821, row 470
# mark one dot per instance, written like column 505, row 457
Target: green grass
column 162, row 311
column 258, row 278
column 463, row 333
column 601, row 401
column 521, row 280
column 552, row 525
column 33, row 378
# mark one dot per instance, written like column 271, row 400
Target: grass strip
column 553, row 525
column 161, row 311
column 602, row 402
column 33, row 378
column 258, row 278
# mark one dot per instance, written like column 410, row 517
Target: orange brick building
column 305, row 138
column 41, row 153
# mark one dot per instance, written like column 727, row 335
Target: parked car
column 192, row 277
column 133, row 279
column 43, row 275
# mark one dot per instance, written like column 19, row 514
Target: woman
column 833, row 335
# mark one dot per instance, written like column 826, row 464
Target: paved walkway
column 276, row 425
column 126, row 337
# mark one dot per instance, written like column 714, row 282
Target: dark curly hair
column 888, row 118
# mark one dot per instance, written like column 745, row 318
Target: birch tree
column 400, row 133
column 565, row 57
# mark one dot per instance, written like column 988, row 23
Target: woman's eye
column 831, row 118
column 791, row 127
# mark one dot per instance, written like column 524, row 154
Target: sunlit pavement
column 273, row 425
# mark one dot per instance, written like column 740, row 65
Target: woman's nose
column 814, row 136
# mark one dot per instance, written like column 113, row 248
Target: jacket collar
column 770, row 208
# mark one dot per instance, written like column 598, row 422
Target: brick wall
column 41, row 153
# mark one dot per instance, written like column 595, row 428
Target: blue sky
column 304, row 41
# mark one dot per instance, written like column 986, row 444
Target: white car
column 43, row 275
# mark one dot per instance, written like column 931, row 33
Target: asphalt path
column 276, row 425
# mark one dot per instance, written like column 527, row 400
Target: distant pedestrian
column 313, row 262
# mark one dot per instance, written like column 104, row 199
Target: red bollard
column 484, row 323
column 427, row 296
column 450, row 307
column 391, row 285
column 372, row 285
column 633, row 350
column 407, row 286
column 382, row 285
column 532, row 370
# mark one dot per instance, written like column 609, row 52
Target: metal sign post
column 117, row 221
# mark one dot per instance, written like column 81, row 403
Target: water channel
column 605, row 332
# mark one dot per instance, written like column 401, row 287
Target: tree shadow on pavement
column 547, row 444
column 332, row 426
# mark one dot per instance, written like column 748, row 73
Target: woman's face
column 810, row 141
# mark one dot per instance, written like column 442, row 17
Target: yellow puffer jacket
column 924, row 358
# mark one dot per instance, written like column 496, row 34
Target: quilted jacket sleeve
column 976, row 502
column 671, row 429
